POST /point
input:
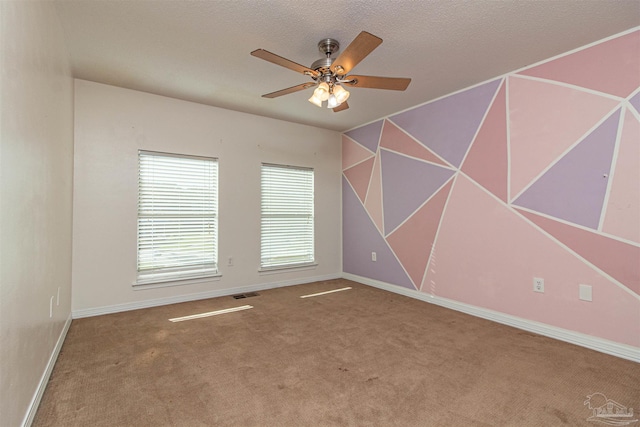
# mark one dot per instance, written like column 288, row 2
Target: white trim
column 366, row 148
column 42, row 385
column 140, row 285
column 408, row 156
column 360, row 162
column 612, row 169
column 507, row 95
column 571, row 86
column 436, row 155
column 287, row 268
column 117, row 308
column 602, row 345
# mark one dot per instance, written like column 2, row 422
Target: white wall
column 112, row 123
column 36, row 155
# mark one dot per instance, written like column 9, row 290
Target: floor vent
column 246, row 295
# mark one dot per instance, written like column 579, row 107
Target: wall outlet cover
column 538, row 284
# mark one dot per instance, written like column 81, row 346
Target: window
column 287, row 217
column 177, row 217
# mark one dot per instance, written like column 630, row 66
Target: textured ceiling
column 199, row 50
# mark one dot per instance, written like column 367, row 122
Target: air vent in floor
column 246, row 295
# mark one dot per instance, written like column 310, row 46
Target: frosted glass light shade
column 322, row 91
column 333, row 102
column 340, row 93
column 315, row 100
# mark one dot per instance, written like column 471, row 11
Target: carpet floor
column 360, row 357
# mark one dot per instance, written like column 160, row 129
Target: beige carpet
column 361, row 357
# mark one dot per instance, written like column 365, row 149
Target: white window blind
column 287, row 232
column 177, row 217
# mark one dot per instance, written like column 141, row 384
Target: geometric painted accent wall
column 531, row 174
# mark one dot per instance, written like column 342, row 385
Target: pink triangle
column 622, row 217
column 373, row 202
column 545, row 120
column 486, row 162
column 352, row 152
column 487, row 255
column 618, row 259
column 359, row 176
column 395, row 139
column 412, row 241
column 611, row 67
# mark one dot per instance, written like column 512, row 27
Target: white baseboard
column 602, row 345
column 97, row 311
column 42, row 385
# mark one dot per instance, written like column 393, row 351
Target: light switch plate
column 586, row 293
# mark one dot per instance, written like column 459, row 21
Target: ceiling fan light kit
column 329, row 75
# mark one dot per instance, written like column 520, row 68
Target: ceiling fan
column 329, row 74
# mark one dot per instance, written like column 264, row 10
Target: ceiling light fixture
column 334, row 95
column 330, row 75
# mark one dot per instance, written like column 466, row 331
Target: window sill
column 142, row 284
column 287, row 268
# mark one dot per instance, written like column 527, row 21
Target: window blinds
column 177, row 216
column 287, row 232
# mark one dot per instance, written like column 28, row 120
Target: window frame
column 266, row 267
column 187, row 272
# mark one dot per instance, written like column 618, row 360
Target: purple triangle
column 360, row 237
column 635, row 101
column 574, row 188
column 447, row 126
column 368, row 135
column 406, row 184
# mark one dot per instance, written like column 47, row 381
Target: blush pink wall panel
column 487, row 256
column 612, row 67
column 622, row 217
column 353, row 153
column 373, row 202
column 413, row 240
column 548, row 186
column 359, row 177
column 618, row 259
column 545, row 120
column 487, row 161
column 395, row 139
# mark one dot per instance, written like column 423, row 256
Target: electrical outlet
column 373, row 256
column 230, row 261
column 538, row 284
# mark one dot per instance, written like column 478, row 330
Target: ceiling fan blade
column 359, row 48
column 283, row 62
column 289, row 90
column 341, row 107
column 375, row 82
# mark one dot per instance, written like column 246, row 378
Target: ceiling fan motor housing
column 327, row 47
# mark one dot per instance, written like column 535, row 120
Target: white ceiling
column 199, row 50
